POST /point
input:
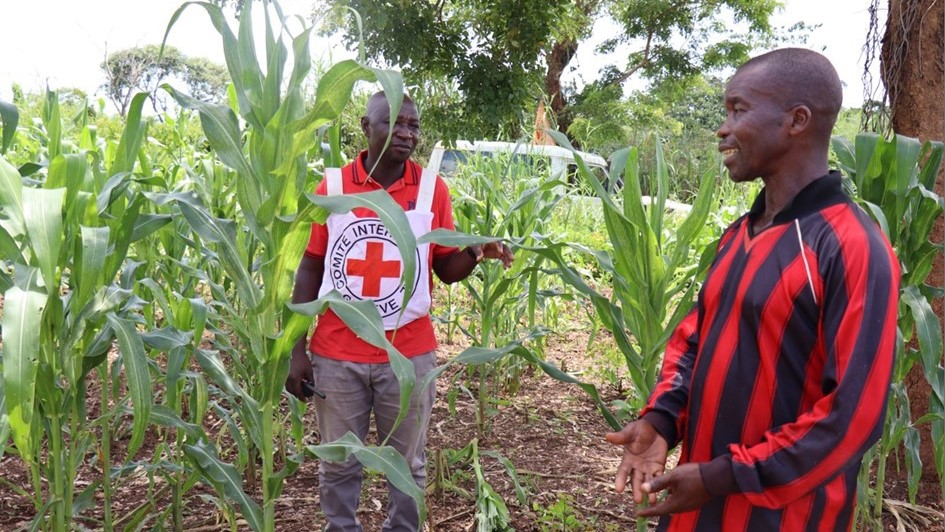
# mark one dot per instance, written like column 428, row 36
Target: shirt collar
column 819, row 194
column 411, row 174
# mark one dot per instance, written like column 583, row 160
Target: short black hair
column 804, row 77
column 381, row 95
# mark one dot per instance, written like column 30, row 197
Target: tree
column 504, row 54
column 490, row 51
column 144, row 69
column 913, row 73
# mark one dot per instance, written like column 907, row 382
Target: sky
column 62, row 42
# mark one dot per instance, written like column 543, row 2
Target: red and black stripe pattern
column 783, row 370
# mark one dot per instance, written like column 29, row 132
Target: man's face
column 753, row 139
column 406, row 130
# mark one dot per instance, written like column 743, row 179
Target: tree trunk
column 558, row 59
column 913, row 73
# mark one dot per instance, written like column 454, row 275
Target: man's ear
column 364, row 124
column 801, row 118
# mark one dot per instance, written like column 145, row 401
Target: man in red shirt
column 776, row 383
column 354, row 254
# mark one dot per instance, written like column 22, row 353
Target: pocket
column 330, row 375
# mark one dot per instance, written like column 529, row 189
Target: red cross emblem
column 373, row 268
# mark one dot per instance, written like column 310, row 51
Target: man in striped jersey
column 776, row 382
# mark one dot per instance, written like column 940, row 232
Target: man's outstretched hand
column 644, row 457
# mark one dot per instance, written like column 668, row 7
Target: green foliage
column 265, row 140
column 505, row 197
column 65, row 235
column 492, row 54
column 451, row 470
column 491, row 50
column 711, row 40
column 559, row 515
column 652, row 269
column 893, row 180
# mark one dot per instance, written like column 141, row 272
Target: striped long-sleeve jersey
column 776, row 383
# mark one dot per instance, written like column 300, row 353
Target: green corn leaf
column 200, row 311
column 292, row 246
column 11, row 199
column 131, row 138
column 4, row 417
column 10, row 117
column 276, row 57
column 222, row 130
column 912, row 446
column 199, row 398
column 251, row 73
column 177, row 357
column 845, row 154
column 556, row 373
column 932, row 153
column 248, row 407
column 225, row 479
column 163, row 416
column 928, row 329
column 230, row 52
column 42, row 215
column 220, row 232
column 445, row 237
column 135, row 361
column 332, row 94
column 865, row 146
column 383, row 459
column 148, row 224
column 113, row 189
column 21, row 322
column 302, row 64
column 695, row 221
column 67, row 171
column 88, row 264
column 121, row 231
column 53, row 123
column 166, row 339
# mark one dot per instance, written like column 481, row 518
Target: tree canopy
column 501, row 57
column 145, row 68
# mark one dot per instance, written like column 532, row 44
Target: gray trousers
column 353, row 391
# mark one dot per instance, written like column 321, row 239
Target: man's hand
column 685, row 491
column 644, row 457
column 300, row 369
column 495, row 250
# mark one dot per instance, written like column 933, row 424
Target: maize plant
column 265, row 139
column 64, row 239
column 893, row 180
column 652, row 269
column 502, row 196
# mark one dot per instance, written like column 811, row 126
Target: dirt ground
column 551, row 433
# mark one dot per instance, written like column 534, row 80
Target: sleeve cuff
column 664, row 425
column 718, row 477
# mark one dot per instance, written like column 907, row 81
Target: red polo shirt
column 332, row 338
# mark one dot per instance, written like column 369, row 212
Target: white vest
column 362, row 260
